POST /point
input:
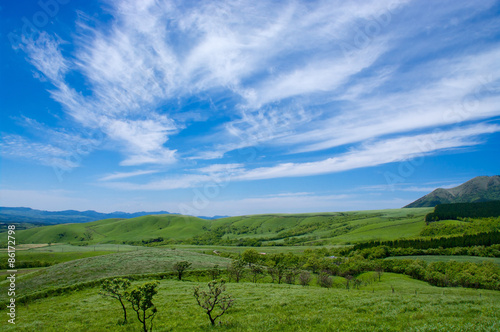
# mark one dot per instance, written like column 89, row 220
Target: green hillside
column 269, row 229
column 117, row 230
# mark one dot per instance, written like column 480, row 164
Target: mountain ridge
column 29, row 215
column 478, row 189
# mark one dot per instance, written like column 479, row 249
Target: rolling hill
column 312, row 228
column 479, row 189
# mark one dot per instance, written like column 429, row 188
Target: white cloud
column 377, row 153
column 277, row 75
column 49, row 61
column 368, row 155
column 220, row 168
column 123, row 175
column 15, row 146
column 465, row 91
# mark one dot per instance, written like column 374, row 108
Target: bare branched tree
column 214, row 302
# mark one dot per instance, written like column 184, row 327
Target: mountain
column 32, row 216
column 22, row 214
column 479, row 189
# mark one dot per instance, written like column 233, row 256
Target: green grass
column 436, row 258
column 60, row 253
column 67, row 248
column 266, row 307
column 329, row 228
column 116, row 264
column 240, row 249
column 53, row 257
column 384, row 231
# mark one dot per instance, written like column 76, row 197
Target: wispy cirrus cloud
column 15, row 146
column 368, row 155
column 353, row 81
column 124, row 175
column 377, row 153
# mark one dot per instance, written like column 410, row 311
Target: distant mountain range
column 22, row 214
column 479, row 189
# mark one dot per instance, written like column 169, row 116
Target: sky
column 245, row 107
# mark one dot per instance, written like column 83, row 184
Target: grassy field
column 328, row 228
column 43, row 255
column 436, row 258
column 266, row 307
column 116, row 264
column 60, row 247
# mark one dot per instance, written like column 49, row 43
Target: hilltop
column 478, row 189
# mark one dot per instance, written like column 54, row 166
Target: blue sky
column 242, row 107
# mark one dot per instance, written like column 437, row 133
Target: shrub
column 305, row 278
column 325, row 280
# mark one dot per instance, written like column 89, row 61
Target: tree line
column 464, row 210
column 466, row 240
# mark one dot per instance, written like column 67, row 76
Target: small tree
column 277, row 272
column 251, row 257
column 117, row 289
column 181, row 267
column 305, row 278
column 325, row 280
column 236, row 270
column 348, row 279
column 257, row 272
column 214, row 302
column 215, row 272
column 379, row 271
column 356, row 282
column 291, row 275
column 141, row 299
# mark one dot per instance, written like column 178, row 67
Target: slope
column 478, row 189
column 140, row 262
column 117, row 230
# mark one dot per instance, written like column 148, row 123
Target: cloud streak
column 368, row 155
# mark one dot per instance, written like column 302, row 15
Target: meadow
column 414, row 306
column 139, row 262
column 361, row 293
